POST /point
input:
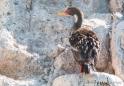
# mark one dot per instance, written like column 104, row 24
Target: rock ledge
column 94, row 79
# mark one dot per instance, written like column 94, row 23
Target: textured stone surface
column 117, row 42
column 33, row 81
column 94, row 79
column 116, row 6
column 34, row 41
column 65, row 63
column 15, row 61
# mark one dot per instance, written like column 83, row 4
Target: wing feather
column 85, row 46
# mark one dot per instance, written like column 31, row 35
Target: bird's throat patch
column 76, row 18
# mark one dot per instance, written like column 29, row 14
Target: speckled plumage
column 85, row 44
column 85, row 47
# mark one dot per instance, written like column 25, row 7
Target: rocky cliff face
column 34, row 47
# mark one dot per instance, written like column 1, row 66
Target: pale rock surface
column 117, row 47
column 34, row 41
column 65, row 63
column 15, row 61
column 116, row 6
column 32, row 81
column 94, row 79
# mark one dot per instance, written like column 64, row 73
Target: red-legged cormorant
column 85, row 44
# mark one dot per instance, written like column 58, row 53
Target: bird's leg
column 81, row 69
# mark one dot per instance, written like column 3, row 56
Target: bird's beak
column 62, row 13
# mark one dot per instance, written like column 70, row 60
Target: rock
column 21, row 49
column 113, row 7
column 15, row 61
column 116, row 6
column 58, row 50
column 90, row 6
column 94, row 79
column 122, row 42
column 34, row 81
column 34, row 41
column 65, row 63
column 117, row 49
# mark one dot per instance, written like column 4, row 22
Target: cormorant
column 85, row 44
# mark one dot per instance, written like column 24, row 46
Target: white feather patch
column 76, row 18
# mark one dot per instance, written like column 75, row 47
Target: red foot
column 81, row 69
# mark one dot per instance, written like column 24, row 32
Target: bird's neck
column 78, row 21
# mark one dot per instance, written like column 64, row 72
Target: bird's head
column 78, row 14
column 70, row 11
column 73, row 11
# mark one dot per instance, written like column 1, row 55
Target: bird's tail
column 85, row 69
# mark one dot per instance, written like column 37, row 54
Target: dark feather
column 85, row 47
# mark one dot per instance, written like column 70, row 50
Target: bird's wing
column 85, row 46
